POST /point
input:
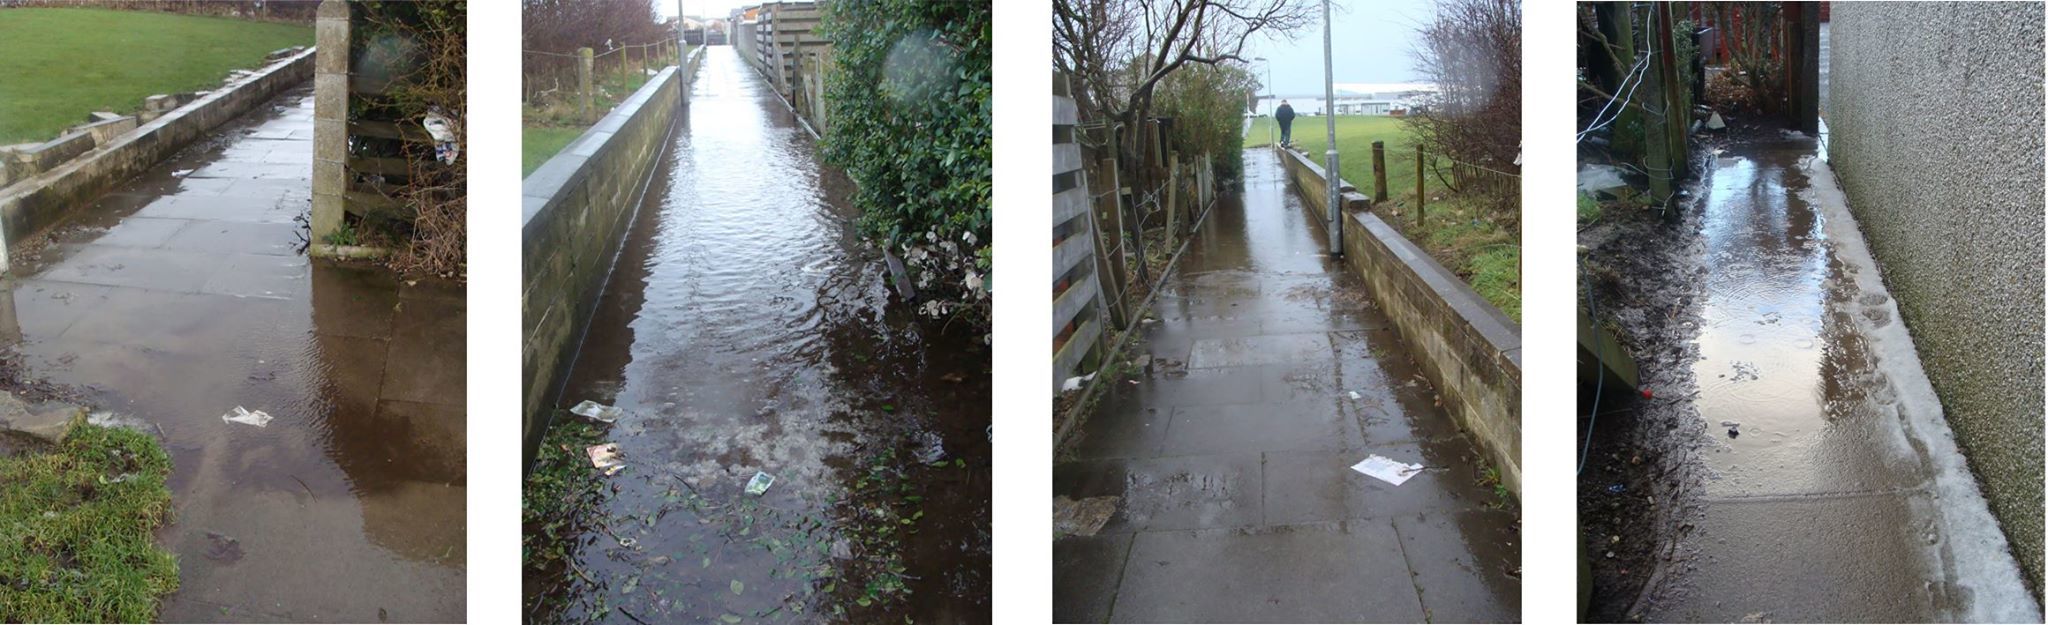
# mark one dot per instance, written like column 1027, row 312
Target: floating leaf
column 730, row 618
column 738, row 587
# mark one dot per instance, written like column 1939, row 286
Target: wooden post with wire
column 1379, row 171
column 584, row 60
column 1418, row 184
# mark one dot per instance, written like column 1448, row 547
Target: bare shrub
column 1472, row 50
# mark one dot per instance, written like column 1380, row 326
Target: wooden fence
column 1077, row 301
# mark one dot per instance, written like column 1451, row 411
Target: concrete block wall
column 1935, row 119
column 1467, row 348
column 35, row 202
column 578, row 208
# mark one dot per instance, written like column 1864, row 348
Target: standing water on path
column 1833, row 490
column 184, row 294
column 746, row 329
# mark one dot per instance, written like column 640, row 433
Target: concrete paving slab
column 155, row 269
column 48, row 309
column 223, row 237
column 140, row 232
column 1186, row 492
column 1856, row 542
column 1221, row 386
column 1466, row 565
column 1086, row 570
column 1198, row 430
column 1259, row 350
column 1328, row 573
column 1137, row 435
column 260, row 276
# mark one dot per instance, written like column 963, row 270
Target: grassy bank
column 549, row 128
column 61, row 64
column 78, row 521
column 1455, row 230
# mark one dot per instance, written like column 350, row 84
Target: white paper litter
column 242, row 415
column 1386, row 469
column 760, row 483
column 1354, row 395
column 1074, row 383
column 596, row 412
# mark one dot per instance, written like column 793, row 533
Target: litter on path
column 1386, row 469
column 1074, row 383
column 760, row 483
column 597, row 412
column 1084, row 517
column 256, row 418
column 606, row 457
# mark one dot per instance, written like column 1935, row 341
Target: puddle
column 746, row 330
column 1779, row 352
column 183, row 294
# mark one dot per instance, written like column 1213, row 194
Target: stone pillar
column 330, row 118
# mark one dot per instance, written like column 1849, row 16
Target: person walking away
column 1285, row 115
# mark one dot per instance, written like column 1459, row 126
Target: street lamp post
column 1330, row 176
column 1274, row 127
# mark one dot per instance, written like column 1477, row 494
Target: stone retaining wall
column 1936, row 130
column 43, row 199
column 578, row 207
column 1467, row 348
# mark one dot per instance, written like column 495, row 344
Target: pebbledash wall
column 1467, row 348
column 1936, row 125
column 577, row 208
column 33, row 203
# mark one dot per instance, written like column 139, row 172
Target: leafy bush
column 909, row 99
column 1207, row 104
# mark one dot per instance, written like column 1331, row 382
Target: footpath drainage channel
column 1832, row 491
column 745, row 330
column 1235, row 500
column 182, row 295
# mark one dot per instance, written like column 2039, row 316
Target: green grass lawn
column 79, row 524
column 61, row 64
column 1485, row 254
column 540, row 143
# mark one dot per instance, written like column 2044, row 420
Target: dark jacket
column 1284, row 114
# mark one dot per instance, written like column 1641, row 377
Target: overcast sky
column 1371, row 41
column 701, row 8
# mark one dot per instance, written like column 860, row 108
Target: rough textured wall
column 1935, row 113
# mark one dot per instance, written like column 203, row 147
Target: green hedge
column 908, row 108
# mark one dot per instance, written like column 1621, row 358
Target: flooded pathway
column 1834, row 492
column 184, row 294
column 1230, row 462
column 745, row 329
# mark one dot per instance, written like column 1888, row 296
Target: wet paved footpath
column 1834, row 492
column 183, row 294
column 745, row 329
column 1236, row 500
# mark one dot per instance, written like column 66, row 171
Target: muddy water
column 184, row 294
column 746, row 330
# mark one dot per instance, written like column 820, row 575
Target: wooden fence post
column 1419, row 199
column 583, row 64
column 1379, row 171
